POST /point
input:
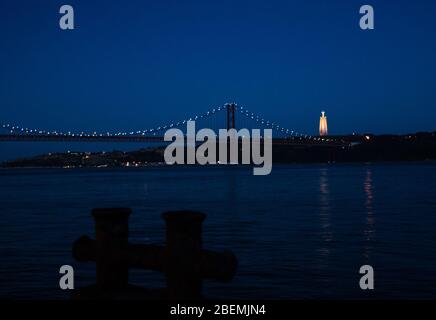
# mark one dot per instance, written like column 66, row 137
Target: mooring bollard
column 111, row 235
column 183, row 260
column 183, row 253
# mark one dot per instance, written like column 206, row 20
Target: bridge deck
column 148, row 139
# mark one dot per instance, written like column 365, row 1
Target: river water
column 302, row 232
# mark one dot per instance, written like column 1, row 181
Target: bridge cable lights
column 252, row 116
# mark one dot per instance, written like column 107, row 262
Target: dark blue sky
column 136, row 64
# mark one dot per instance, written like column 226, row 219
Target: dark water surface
column 302, row 232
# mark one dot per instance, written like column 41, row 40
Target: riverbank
column 361, row 148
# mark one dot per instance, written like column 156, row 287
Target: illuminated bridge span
column 212, row 119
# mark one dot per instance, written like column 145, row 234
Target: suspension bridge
column 214, row 119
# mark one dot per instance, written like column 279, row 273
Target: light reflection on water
column 324, row 211
column 370, row 220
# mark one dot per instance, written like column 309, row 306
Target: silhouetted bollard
column 183, row 253
column 111, row 234
column 183, row 260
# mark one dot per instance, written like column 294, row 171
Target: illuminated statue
column 323, row 131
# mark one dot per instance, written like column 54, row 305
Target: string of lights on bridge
column 272, row 125
column 288, row 133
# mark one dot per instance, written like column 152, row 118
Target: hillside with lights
column 361, row 148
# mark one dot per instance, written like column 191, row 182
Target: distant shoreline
column 361, row 149
column 429, row 161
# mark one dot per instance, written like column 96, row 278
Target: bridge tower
column 231, row 107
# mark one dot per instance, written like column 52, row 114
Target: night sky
column 130, row 65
